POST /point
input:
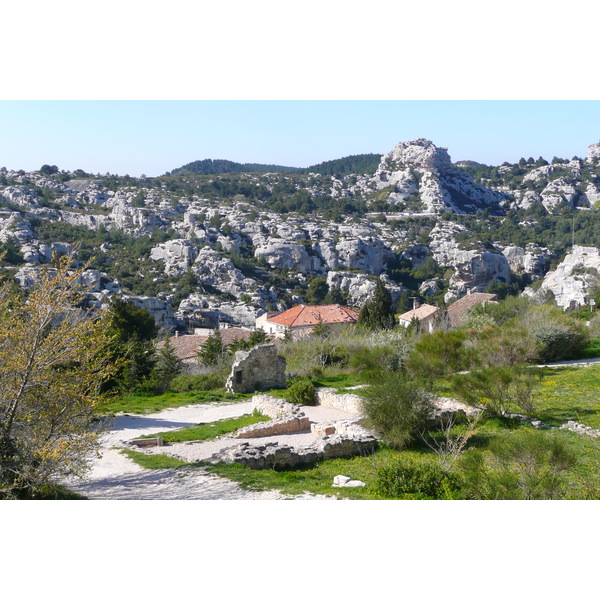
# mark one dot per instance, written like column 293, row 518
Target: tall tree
column 53, row 363
column 377, row 312
column 132, row 330
column 168, row 365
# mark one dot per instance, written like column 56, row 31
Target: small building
column 302, row 319
column 186, row 346
column 424, row 315
column 458, row 310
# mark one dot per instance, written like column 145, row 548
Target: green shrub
column 396, row 408
column 197, row 383
column 411, row 479
column 561, row 336
column 301, row 392
column 523, row 465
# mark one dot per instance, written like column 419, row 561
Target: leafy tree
column 48, row 169
column 53, row 364
column 317, row 290
column 439, row 353
column 377, row 312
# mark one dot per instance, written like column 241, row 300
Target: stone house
column 425, row 315
column 186, row 346
column 302, row 319
column 458, row 310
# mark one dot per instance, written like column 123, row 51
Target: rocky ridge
column 240, row 255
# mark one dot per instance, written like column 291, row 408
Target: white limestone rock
column 216, row 270
column 177, row 256
column 573, row 279
column 593, row 153
column 287, row 254
column 558, row 191
column 359, row 286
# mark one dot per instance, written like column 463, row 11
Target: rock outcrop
column 573, row 279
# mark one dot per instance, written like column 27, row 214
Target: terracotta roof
column 186, row 346
column 457, row 310
column 303, row 315
column 424, row 311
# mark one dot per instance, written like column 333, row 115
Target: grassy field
column 565, row 393
column 207, row 431
column 570, row 394
column 145, row 404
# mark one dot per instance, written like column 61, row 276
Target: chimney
column 415, row 302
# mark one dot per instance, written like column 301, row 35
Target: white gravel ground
column 115, row 477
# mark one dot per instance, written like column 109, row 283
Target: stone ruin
column 338, row 439
column 260, row 368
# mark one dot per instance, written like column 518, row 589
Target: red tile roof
column 458, row 310
column 187, row 346
column 302, row 315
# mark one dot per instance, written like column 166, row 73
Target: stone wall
column 280, row 426
column 274, row 456
column 261, row 368
column 350, row 403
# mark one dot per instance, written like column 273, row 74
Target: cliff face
column 224, row 247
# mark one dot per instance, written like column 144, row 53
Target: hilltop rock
column 532, row 259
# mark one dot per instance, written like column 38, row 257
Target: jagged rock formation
column 420, row 172
column 572, row 281
column 255, row 249
column 473, row 269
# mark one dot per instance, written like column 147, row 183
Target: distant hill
column 357, row 164
column 215, row 167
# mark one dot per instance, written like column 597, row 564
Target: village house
column 458, row 310
column 425, row 315
column 186, row 346
column 302, row 319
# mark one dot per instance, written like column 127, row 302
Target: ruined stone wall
column 261, row 368
column 350, row 403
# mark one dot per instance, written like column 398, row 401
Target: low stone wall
column 275, row 407
column 350, row 403
column 279, row 426
column 274, row 456
column 581, row 429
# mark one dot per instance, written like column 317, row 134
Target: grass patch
column 154, row 461
column 141, row 404
column 570, row 394
column 207, row 431
column 315, row 480
column 592, row 350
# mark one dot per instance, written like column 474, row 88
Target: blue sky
column 152, row 137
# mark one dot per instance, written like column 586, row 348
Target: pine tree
column 212, row 350
column 168, row 365
column 377, row 312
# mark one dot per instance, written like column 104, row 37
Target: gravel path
column 115, row 477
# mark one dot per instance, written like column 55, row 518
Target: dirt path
column 115, row 477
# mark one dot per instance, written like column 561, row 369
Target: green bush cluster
column 409, row 479
column 197, row 383
column 301, row 392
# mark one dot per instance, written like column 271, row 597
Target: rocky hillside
column 199, row 248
